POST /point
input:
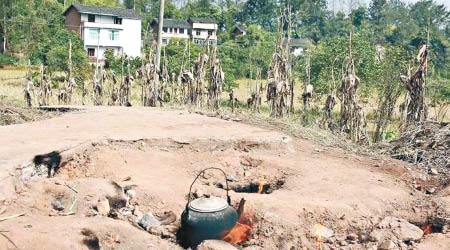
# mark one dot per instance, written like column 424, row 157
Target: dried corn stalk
column 44, row 89
column 216, row 81
column 28, row 88
column 278, row 89
column 386, row 103
column 186, row 79
column 165, row 80
column 175, row 82
column 84, row 92
column 113, row 90
column 415, row 106
column 125, row 86
column 254, row 102
column 232, row 100
column 98, row 86
column 196, row 90
column 330, row 102
column 279, row 75
column 352, row 116
column 70, row 81
column 151, row 81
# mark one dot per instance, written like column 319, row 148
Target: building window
column 93, row 34
column 199, row 41
column 114, row 35
column 91, row 18
column 198, row 32
column 91, row 52
column 117, row 20
column 181, row 31
column 210, row 32
column 165, row 30
column 170, row 30
column 164, row 41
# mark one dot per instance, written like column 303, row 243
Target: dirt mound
column 15, row 115
column 426, row 145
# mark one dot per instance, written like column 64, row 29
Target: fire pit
column 262, row 187
column 207, row 218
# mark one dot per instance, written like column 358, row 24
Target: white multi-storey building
column 103, row 28
column 198, row 30
column 203, row 29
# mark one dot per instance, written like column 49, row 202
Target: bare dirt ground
column 304, row 184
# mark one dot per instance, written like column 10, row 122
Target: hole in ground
column 259, row 187
column 431, row 228
column 432, row 225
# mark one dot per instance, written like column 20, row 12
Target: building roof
column 107, row 11
column 201, row 20
column 238, row 28
column 172, row 23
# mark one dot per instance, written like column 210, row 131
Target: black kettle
column 206, row 218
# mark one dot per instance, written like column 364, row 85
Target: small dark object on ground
column 117, row 202
column 52, row 160
column 57, row 205
column 91, row 240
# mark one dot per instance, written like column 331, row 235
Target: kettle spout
column 240, row 209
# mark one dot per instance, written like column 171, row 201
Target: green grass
column 11, row 92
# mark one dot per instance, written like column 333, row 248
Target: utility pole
column 98, row 52
column 160, row 26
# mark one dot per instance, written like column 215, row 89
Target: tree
column 262, row 12
column 54, row 54
column 203, row 8
column 327, row 57
column 179, row 54
column 311, row 19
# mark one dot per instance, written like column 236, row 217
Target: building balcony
column 103, row 42
column 103, row 25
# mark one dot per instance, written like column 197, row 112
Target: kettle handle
column 203, row 171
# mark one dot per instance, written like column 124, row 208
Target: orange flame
column 237, row 234
column 261, row 186
column 240, row 232
column 426, row 229
column 319, row 242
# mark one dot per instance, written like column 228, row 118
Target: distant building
column 172, row 28
column 197, row 30
column 203, row 28
column 103, row 28
column 239, row 31
column 298, row 45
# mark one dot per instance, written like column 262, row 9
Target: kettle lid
column 208, row 205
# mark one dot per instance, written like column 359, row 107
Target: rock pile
column 391, row 232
